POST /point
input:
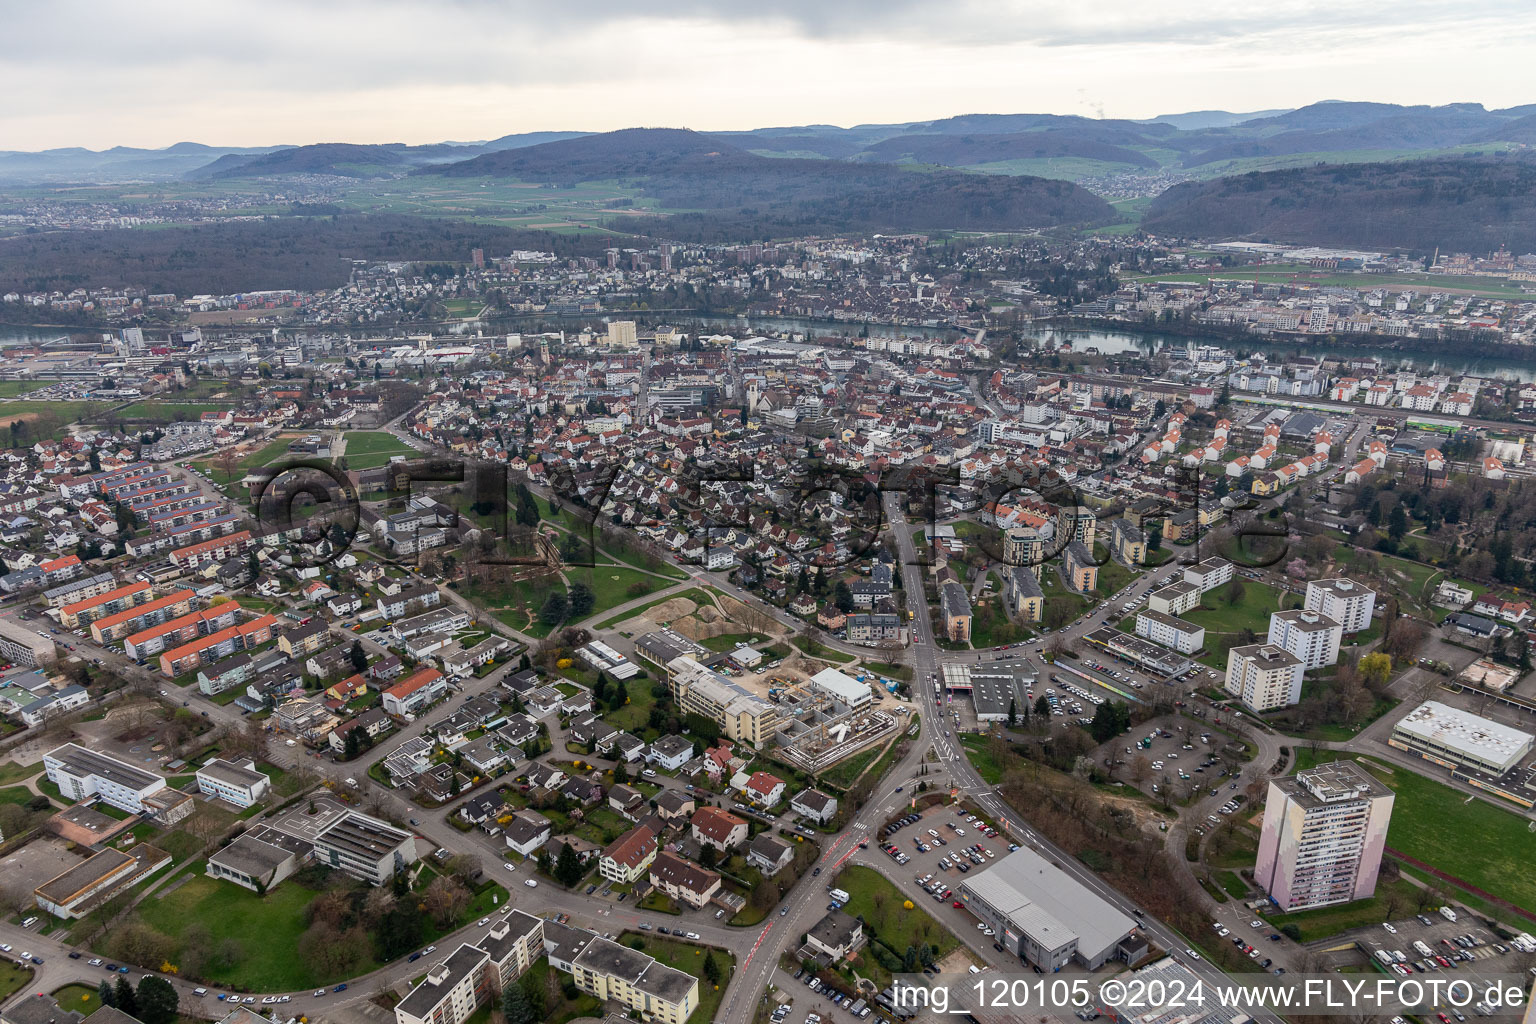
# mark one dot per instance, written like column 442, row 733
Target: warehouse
column 1046, row 916
column 1459, row 739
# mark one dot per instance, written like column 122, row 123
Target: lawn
column 81, row 998
column 13, row 388
column 168, row 412
column 817, row 649
column 685, row 956
column 611, row 584
column 231, row 912
column 1327, row 922
column 13, row 978
column 367, row 449
column 515, row 602
column 11, row 772
column 1251, row 611
column 978, row 750
column 558, row 1009
column 879, row 903
column 727, row 642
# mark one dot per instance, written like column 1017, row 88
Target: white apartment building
column 234, row 782
column 451, row 991
column 1263, row 676
column 1170, row 631
column 1208, row 574
column 1311, row 636
column 1342, row 600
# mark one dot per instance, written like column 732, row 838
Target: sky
column 155, row 72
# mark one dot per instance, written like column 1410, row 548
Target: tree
column 1375, row 669
column 514, row 1006
column 707, row 855
column 620, row 773
column 1236, row 591
column 124, row 998
column 1013, row 712
column 1397, row 523
column 554, row 610
column 581, row 600
column 106, row 993
column 1043, row 706
column 358, row 656
column 1110, row 719
column 158, row 1001
column 842, row 597
column 352, row 745
column 568, row 867
column 711, row 970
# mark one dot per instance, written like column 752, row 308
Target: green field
column 611, row 584
column 12, row 388
column 12, row 978
column 77, row 997
column 367, row 449
column 168, row 412
column 880, row 904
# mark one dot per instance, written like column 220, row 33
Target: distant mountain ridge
column 744, row 193
column 1208, row 143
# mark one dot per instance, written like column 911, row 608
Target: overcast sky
column 98, row 74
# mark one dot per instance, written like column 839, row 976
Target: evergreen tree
column 352, row 746
column 1043, row 706
column 514, row 1006
column 1013, row 712
column 581, row 600
column 124, row 998
column 568, row 869
column 106, row 994
column 358, row 656
column 158, row 1002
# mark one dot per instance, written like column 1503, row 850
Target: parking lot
column 1462, row 947
column 1171, row 754
column 956, row 839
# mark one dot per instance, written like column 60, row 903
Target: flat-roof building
column 234, row 782
column 1311, row 636
column 1325, row 829
column 1170, row 631
column 365, row 847
column 81, row 773
column 1342, row 600
column 842, row 688
column 1459, row 739
column 627, row 976
column 1263, row 676
column 1046, row 916
column 741, row 714
column 77, row 891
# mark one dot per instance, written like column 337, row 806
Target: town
column 705, row 673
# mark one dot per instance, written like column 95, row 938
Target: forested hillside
column 1468, row 205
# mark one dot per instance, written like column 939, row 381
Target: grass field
column 169, row 412
column 268, row 928
column 367, row 449
column 11, row 772
column 1330, row 921
column 611, row 584
column 879, row 903
column 13, row 388
column 516, row 602
column 80, row 998
column 13, row 978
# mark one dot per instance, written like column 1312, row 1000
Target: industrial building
column 1454, row 738
column 844, row 690
column 1324, row 832
column 1049, row 918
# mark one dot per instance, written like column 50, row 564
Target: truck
column 1448, row 913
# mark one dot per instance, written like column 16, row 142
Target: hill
column 305, row 253
column 748, row 194
column 1464, row 204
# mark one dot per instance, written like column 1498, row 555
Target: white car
column 530, row 883
column 509, row 865
column 1388, row 926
